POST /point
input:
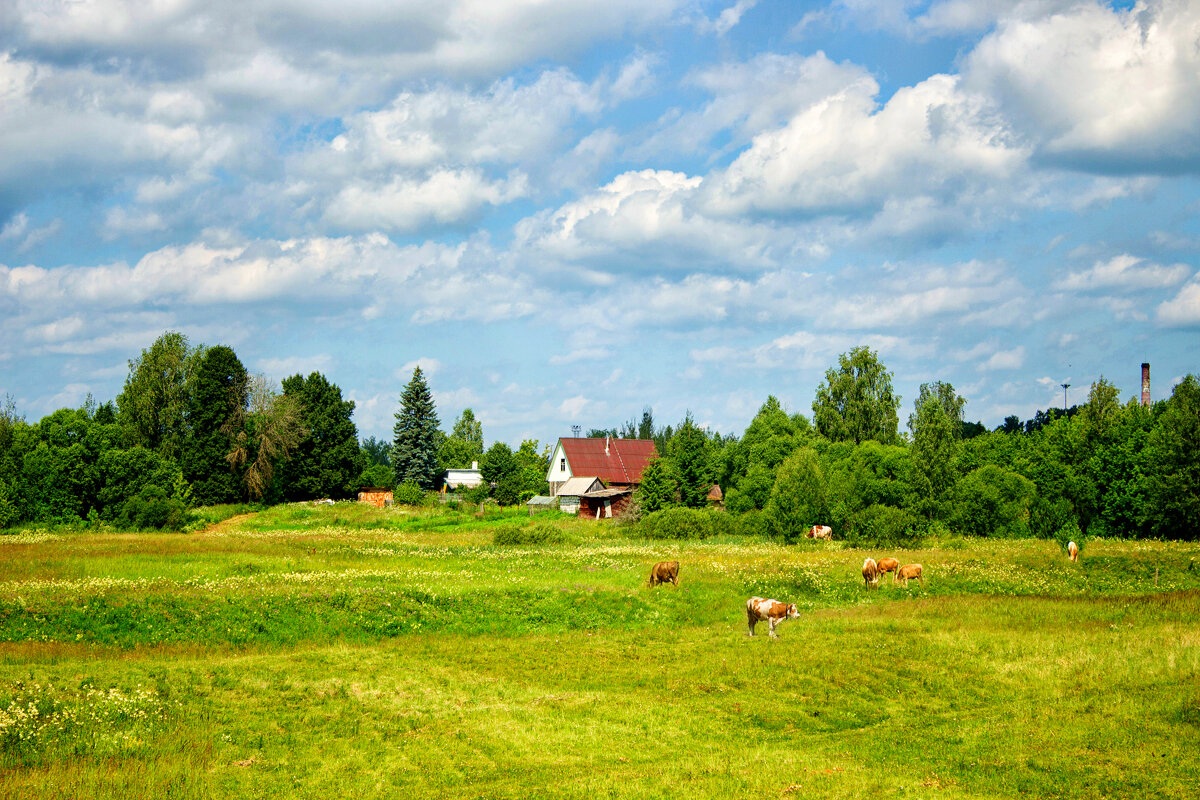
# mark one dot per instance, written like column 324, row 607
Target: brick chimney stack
column 1145, row 385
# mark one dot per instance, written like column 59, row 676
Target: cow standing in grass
column 771, row 611
column 887, row 565
column 665, row 572
column 820, row 532
column 870, row 573
column 909, row 571
column 1072, row 551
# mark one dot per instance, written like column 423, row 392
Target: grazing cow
column 870, row 573
column 909, row 571
column 1072, row 551
column 665, row 572
column 773, row 611
column 820, row 532
column 887, row 565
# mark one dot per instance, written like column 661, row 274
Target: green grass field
column 342, row 651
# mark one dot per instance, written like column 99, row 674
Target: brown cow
column 820, row 532
column 1072, row 551
column 665, row 572
column 909, row 571
column 773, row 611
column 870, row 573
column 887, row 565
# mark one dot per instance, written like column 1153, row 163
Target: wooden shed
column 375, row 496
column 604, row 503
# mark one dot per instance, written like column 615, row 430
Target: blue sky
column 566, row 211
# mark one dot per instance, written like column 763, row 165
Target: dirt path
column 232, row 522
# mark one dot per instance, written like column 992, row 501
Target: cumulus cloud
column 930, row 144
column 1097, row 88
column 1182, row 310
column 649, row 217
column 749, row 98
column 1126, row 272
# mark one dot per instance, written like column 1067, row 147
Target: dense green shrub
column 798, row 498
column 377, row 476
column 538, row 533
column 752, row 523
column 152, row 508
column 409, row 494
column 994, row 501
column 883, row 525
column 685, row 523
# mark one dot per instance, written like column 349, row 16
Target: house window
column 562, row 465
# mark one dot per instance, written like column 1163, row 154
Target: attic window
column 562, row 465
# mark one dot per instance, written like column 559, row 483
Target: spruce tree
column 416, row 437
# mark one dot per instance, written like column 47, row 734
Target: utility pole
column 1065, row 387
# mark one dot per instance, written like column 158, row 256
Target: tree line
column 1102, row 468
column 192, row 427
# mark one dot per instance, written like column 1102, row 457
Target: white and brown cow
column 909, row 571
column 820, row 532
column 665, row 572
column 1072, row 551
column 870, row 573
column 772, row 611
column 887, row 565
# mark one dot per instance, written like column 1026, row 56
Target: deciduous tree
column 326, row 461
column 856, row 402
column 154, row 402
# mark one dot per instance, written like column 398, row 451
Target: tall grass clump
column 39, row 724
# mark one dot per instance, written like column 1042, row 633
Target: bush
column 538, row 533
column 684, row 523
column 753, row 523
column 377, row 476
column 152, row 508
column 879, row 525
column 798, row 497
column 409, row 494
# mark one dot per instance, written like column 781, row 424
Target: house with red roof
column 616, row 463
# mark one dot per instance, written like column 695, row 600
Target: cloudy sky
column 566, row 210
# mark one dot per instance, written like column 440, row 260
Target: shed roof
column 579, row 485
column 610, row 460
column 540, row 500
column 616, row 491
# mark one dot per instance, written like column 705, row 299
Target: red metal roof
column 624, row 462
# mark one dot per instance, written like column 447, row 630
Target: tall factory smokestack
column 1145, row 385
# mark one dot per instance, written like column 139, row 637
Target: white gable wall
column 560, row 469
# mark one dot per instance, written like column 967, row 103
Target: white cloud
column 1182, row 310
column 1100, row 88
column 1005, row 359
column 429, row 366
column 931, row 149
column 1126, row 272
column 446, row 196
column 573, row 407
column 750, row 98
column 648, row 217
column 727, row 19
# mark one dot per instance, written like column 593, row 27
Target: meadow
column 317, row 651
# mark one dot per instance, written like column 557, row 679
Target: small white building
column 464, row 478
